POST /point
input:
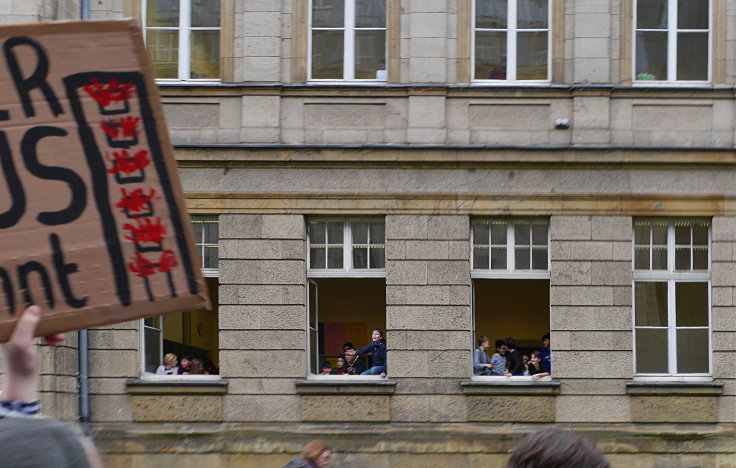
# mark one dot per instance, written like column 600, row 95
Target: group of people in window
column 350, row 362
column 186, row 366
column 508, row 361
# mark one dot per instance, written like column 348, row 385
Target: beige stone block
column 114, row 339
column 723, row 228
column 454, row 317
column 408, row 363
column 240, row 226
column 260, row 386
column 112, row 363
column 417, row 295
column 723, row 296
column 239, row 317
column 674, row 409
column 621, row 251
column 611, row 273
column 282, row 317
column 515, row 408
column 460, row 295
column 346, row 408
column 727, row 411
column 395, row 250
column 672, row 117
column 510, row 116
column 283, row 227
column 612, row 228
column 406, row 227
column 596, row 363
column 406, row 272
column 594, row 386
column 429, row 340
column 570, row 228
column 458, row 250
column 343, row 115
column 592, row 340
column 270, row 294
column 107, row 385
column 177, row 408
column 723, row 318
column 428, row 25
column 110, row 408
column 262, row 271
column 448, row 227
column 426, row 250
column 192, row 115
column 270, row 249
column 592, row 25
column 406, row 317
column 427, row 112
column 285, row 363
column 262, row 339
column 448, row 272
column 603, row 409
column 570, row 273
column 591, row 295
column 262, row 408
column 428, row 408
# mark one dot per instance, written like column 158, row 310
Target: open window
column 510, row 274
column 193, row 333
column 346, row 288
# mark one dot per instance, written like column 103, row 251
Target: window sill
column 675, row 387
column 354, row 385
column 177, row 384
column 510, row 386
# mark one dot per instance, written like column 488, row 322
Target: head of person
column 535, row 358
column 483, row 342
column 545, row 340
column 325, row 366
column 501, row 347
column 525, row 359
column 170, row 360
column 510, row 343
column 318, row 453
column 552, row 448
column 197, row 366
column 377, row 335
column 340, row 361
column 186, row 361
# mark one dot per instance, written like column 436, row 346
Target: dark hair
column 537, row 354
column 482, row 340
column 380, row 332
column 500, row 343
column 188, row 357
column 348, row 345
column 552, row 448
column 545, row 336
column 511, row 343
column 314, row 449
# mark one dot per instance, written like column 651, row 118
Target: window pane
column 334, row 233
column 650, row 302
column 163, row 46
column 498, row 258
column 211, row 233
column 641, row 258
column 153, row 354
column 531, row 14
column 334, row 257
column 162, row 13
column 370, row 54
column 651, row 14
column 692, row 56
column 700, row 234
column 480, row 259
column 522, row 259
column 651, row 351
column 360, row 233
column 480, row 233
column 531, row 56
column 210, row 257
column 498, row 234
column 682, row 235
column 197, row 228
column 317, row 233
column 539, row 259
column 378, row 258
column 682, row 259
column 659, row 259
column 378, row 233
column 651, row 56
column 692, row 14
column 691, row 300
column 491, row 14
column 522, row 234
column 205, row 13
column 317, row 258
column 692, row 351
column 641, row 234
column 700, row 259
column 659, row 234
column 327, row 54
column 539, row 234
column 328, row 13
column 360, row 257
column 490, row 56
column 370, row 13
column 205, row 58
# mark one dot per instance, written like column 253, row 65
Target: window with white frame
column 672, row 297
column 672, row 40
column 511, row 40
column 193, row 333
column 347, row 40
column 510, row 276
column 346, row 288
column 183, row 38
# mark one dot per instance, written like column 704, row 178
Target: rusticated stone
column 674, row 409
column 487, row 408
column 177, row 408
column 346, row 408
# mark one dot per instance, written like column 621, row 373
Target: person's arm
column 363, row 351
column 477, row 365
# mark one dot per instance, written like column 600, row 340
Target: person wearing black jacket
column 377, row 349
column 513, row 359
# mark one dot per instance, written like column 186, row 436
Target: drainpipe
column 83, row 355
column 84, row 10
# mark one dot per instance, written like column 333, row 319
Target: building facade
column 441, row 170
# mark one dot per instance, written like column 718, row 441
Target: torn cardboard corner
column 92, row 222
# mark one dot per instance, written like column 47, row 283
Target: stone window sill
column 176, row 387
column 675, row 388
column 345, row 387
column 511, row 387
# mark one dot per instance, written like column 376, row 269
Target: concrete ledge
column 345, row 387
column 511, row 388
column 159, row 387
column 675, row 388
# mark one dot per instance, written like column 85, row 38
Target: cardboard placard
column 92, row 219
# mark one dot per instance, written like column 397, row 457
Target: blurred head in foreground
column 552, row 448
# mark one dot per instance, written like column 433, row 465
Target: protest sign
column 92, row 222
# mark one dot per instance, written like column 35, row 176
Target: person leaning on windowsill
column 27, row 440
column 482, row 365
column 377, row 349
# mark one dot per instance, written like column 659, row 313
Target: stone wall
column 723, row 312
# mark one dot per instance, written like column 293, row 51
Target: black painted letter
column 15, row 188
column 24, row 86
column 63, row 270
column 23, row 272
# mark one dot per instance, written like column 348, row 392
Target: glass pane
column 360, row 233
column 692, row 14
column 522, row 259
column 641, row 258
column 328, row 13
column 334, row 257
column 205, row 58
column 327, row 54
column 163, row 47
column 531, row 14
column 700, row 259
column 162, row 13
column 682, row 259
column 205, row 13
column 198, row 228
column 539, row 259
column 154, row 322
column 480, row 233
column 692, row 56
column 210, row 257
column 659, row 234
column 370, row 13
column 651, row 14
column 682, row 235
column 691, row 300
column 700, row 234
column 480, row 259
column 659, row 259
column 211, row 233
column 313, row 310
column 650, row 302
column 317, row 233
column 152, row 348
column 317, row 258
column 378, row 258
column 378, row 233
column 651, row 351
column 641, row 234
column 498, row 258
column 360, row 257
column 692, row 351
column 490, row 55
column 370, row 55
column 651, row 56
column 491, row 14
column 522, row 234
column 334, row 233
column 539, row 234
column 531, row 56
column 313, row 352
column 498, row 234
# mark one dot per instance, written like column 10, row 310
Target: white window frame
column 348, row 63
column 202, row 245
column 185, row 34
column 511, row 50
column 672, row 277
column 347, row 270
column 672, row 31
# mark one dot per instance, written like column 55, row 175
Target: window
column 510, row 275
column 347, row 286
column 194, row 332
column 183, row 38
column 511, row 40
column 348, row 40
column 672, row 40
column 672, row 297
